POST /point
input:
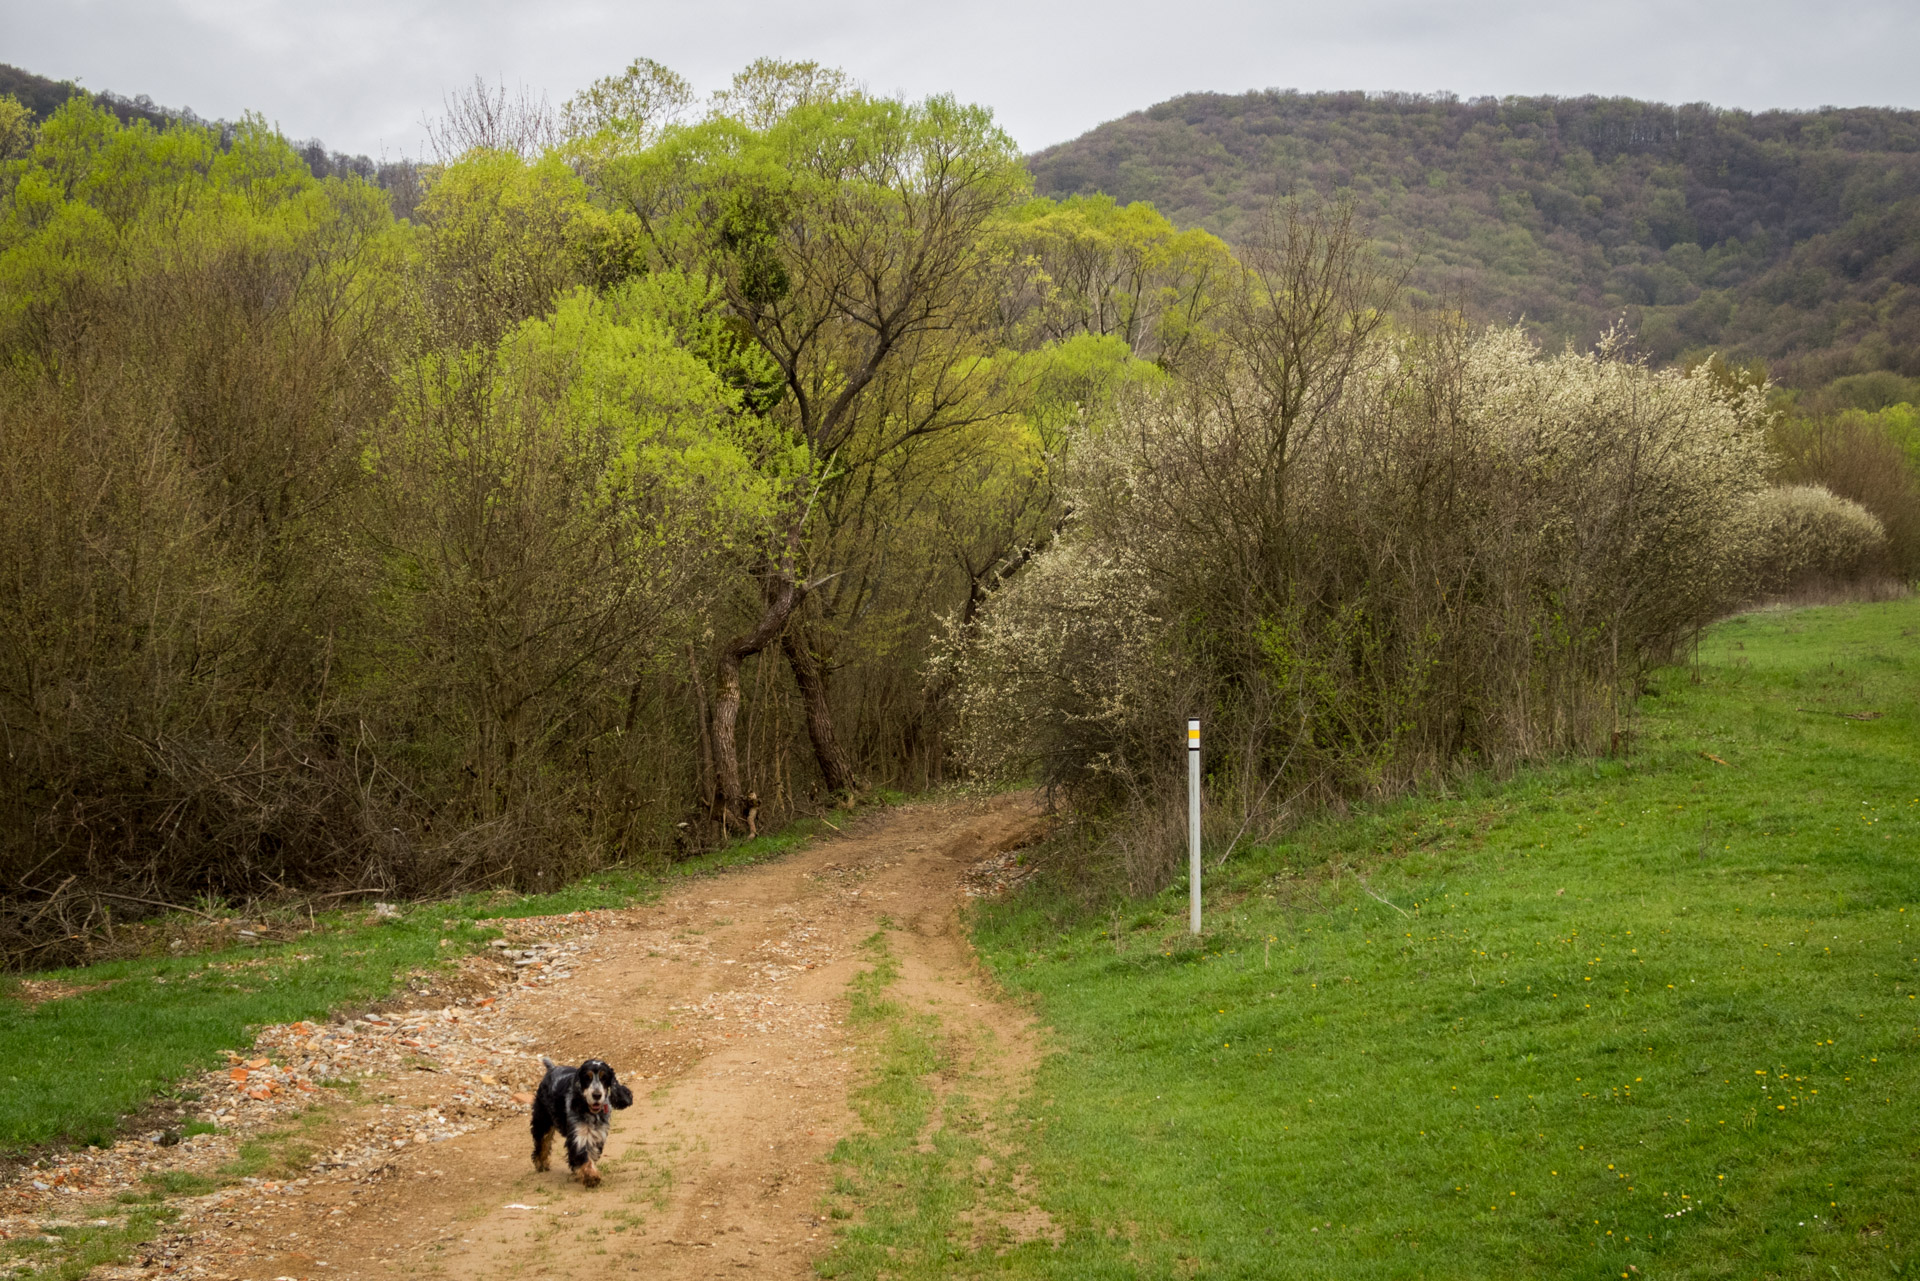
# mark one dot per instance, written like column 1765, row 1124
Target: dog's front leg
column 583, row 1151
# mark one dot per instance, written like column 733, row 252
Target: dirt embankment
column 723, row 1006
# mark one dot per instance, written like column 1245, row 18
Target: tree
column 766, row 91
column 485, row 117
column 503, row 238
column 549, row 515
column 16, row 128
column 1297, row 328
column 1120, row 270
column 625, row 112
column 850, row 239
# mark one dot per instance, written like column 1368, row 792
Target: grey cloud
column 360, row 74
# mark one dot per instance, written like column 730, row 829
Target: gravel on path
column 401, row 1131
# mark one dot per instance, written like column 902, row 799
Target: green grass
column 76, row 1251
column 71, row 1069
column 910, row 1174
column 1654, row 1016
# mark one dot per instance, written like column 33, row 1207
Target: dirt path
column 724, row 1007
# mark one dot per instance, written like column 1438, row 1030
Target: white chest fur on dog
column 591, row 1135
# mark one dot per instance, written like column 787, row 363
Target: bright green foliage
column 1657, row 1013
column 848, row 237
column 690, row 309
column 640, row 436
column 681, row 440
column 1902, row 422
column 16, row 127
column 855, row 245
column 505, row 238
column 627, row 111
column 557, row 509
column 1119, row 270
column 1073, row 383
column 769, row 88
column 103, row 202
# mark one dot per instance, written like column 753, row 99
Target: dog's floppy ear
column 620, row 1096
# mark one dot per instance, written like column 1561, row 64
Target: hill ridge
column 1785, row 235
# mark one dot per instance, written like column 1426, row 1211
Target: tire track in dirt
column 723, row 1006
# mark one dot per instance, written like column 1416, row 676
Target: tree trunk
column 782, row 594
column 703, row 717
column 834, row 769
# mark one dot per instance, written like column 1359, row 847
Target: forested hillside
column 1792, row 237
column 42, row 96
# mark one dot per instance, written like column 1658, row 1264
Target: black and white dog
column 578, row 1103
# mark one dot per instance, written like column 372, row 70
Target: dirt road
column 724, row 1007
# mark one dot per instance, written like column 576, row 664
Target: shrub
column 1457, row 551
column 1805, row 534
column 1057, row 673
column 1872, row 459
column 188, row 348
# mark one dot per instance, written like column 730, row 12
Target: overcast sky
column 359, row 73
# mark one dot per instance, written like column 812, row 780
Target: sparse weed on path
column 924, row 1189
column 1654, row 1018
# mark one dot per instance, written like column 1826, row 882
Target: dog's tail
column 548, row 1063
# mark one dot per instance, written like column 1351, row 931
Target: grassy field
column 1614, row 1020
column 71, row 1069
column 1641, row 1019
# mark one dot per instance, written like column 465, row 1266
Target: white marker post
column 1193, row 824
